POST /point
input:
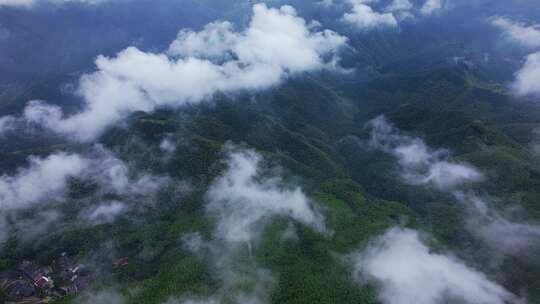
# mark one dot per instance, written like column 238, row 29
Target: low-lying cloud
column 243, row 200
column 45, row 181
column 401, row 9
column 7, row 124
column 527, row 78
column 518, row 32
column 104, row 213
column 405, row 271
column 44, row 178
column 431, row 6
column 364, row 17
column 503, row 234
column 399, row 5
column 419, row 164
column 276, row 44
column 167, row 145
column 115, row 176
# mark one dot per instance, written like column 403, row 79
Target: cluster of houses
column 30, row 283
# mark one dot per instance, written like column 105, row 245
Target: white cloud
column 399, row 5
column 167, row 145
column 510, row 237
column 445, row 175
column 419, row 164
column 43, row 179
column 241, row 200
column 502, row 234
column 528, row 36
column 431, row 6
column 364, row 17
column 114, row 175
column 275, row 39
column 215, row 41
column 402, row 9
column 276, row 44
column 326, row 3
column 7, row 124
column 527, row 80
column 104, row 213
column 406, row 271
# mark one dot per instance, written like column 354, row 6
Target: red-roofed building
column 43, row 282
column 122, row 262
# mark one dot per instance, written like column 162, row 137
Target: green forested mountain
column 412, row 175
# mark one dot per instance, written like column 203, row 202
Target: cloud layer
column 405, row 271
column 276, row 44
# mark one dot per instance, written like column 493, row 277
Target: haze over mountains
column 212, row 151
